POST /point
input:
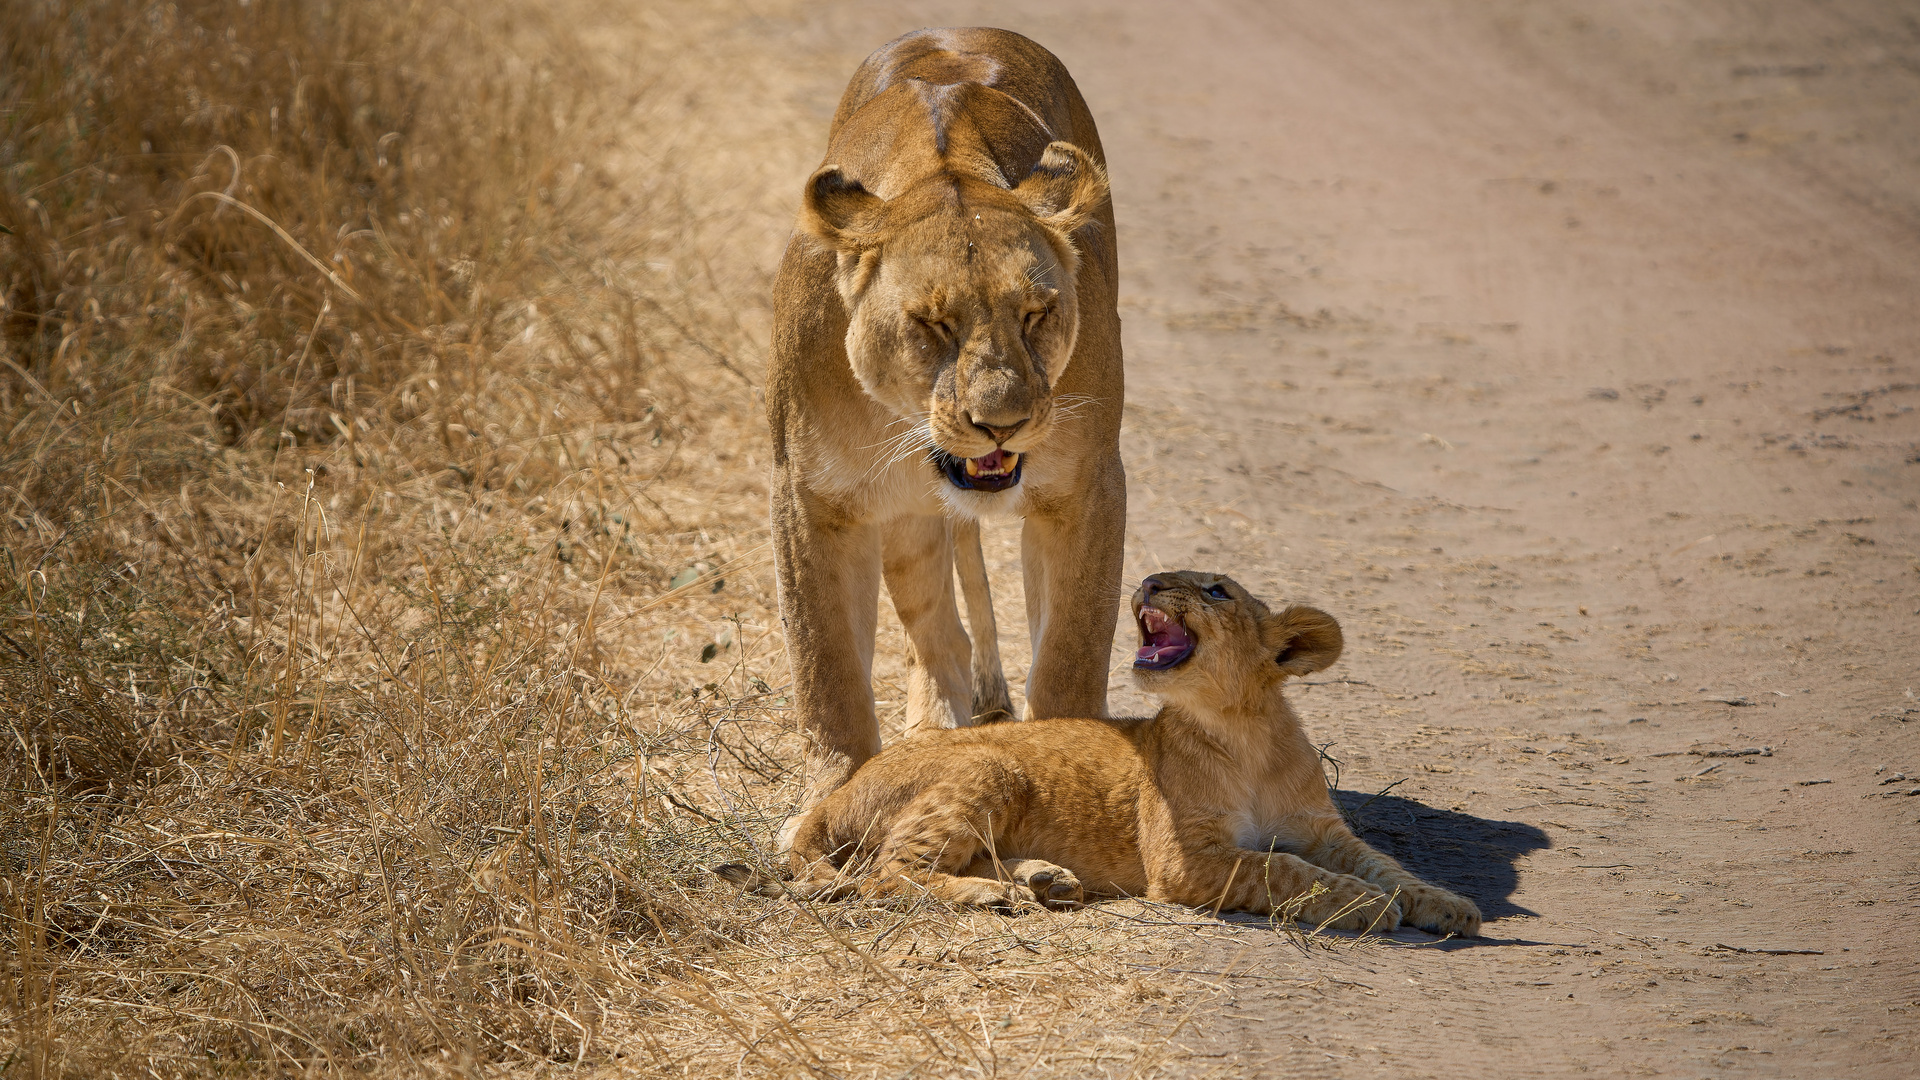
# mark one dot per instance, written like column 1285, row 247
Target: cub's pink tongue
column 1154, row 654
column 1166, row 638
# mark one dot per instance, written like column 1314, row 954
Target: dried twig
column 1769, row 952
column 1751, row 751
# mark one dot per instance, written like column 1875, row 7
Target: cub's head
column 1205, row 641
column 962, row 308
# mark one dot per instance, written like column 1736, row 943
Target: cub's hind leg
column 1329, row 843
column 935, row 841
column 1054, row 886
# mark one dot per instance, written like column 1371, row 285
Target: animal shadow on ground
column 1472, row 856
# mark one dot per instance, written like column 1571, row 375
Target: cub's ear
column 1065, row 188
column 841, row 213
column 1303, row 640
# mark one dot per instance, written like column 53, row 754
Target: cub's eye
column 1219, row 592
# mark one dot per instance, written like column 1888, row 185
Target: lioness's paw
column 1438, row 911
column 1055, row 886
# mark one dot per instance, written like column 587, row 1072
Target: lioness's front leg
column 1070, row 559
column 917, row 553
column 829, row 578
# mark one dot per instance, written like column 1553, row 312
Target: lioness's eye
column 939, row 328
column 1219, row 592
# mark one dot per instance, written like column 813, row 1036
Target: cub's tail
column 821, row 882
column 990, row 699
column 757, row 882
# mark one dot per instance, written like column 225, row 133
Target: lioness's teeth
column 1011, row 461
column 973, row 467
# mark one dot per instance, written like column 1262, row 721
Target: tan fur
column 1219, row 799
column 951, row 284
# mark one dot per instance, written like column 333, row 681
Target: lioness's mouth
column 1163, row 641
column 997, row 471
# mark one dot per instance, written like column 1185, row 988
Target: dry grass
column 388, row 638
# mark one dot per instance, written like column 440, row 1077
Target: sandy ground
column 1568, row 354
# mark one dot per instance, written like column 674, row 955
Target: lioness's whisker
column 916, row 425
column 1069, row 406
column 899, row 446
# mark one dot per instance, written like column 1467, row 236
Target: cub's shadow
column 1472, row 856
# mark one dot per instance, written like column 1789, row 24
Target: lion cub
column 1217, row 800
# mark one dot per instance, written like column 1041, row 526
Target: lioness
column 946, row 346
column 1217, row 800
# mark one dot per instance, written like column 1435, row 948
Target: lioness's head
column 962, row 305
column 1205, row 639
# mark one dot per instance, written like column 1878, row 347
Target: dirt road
column 1569, row 355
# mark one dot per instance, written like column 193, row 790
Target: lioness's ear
column 1065, row 188
column 1303, row 640
column 836, row 209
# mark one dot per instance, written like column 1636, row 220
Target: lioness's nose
column 998, row 433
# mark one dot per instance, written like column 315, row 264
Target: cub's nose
column 1149, row 587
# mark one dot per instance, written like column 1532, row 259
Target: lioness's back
column 1002, row 60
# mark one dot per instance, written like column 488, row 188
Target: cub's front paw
column 1055, row 886
column 1351, row 904
column 1438, row 911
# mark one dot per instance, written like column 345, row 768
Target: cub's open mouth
column 997, row 471
column 1163, row 641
